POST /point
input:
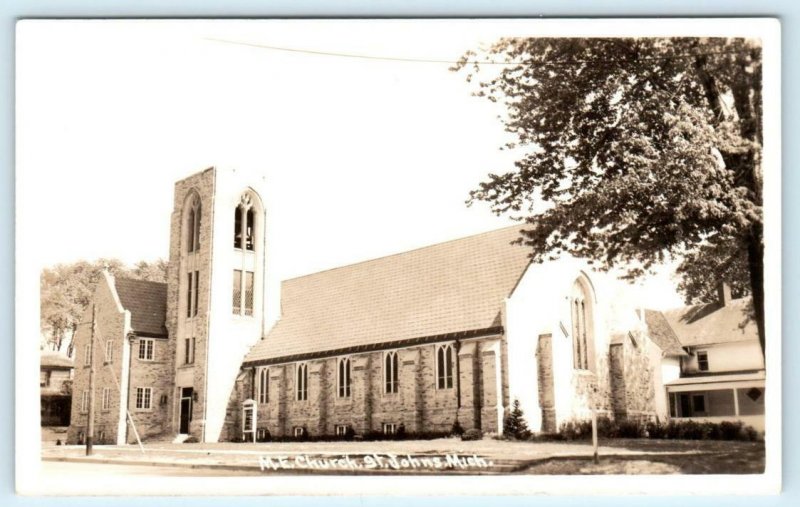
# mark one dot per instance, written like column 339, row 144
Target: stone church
column 450, row 332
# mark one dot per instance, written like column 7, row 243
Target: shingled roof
column 453, row 287
column 147, row 302
column 711, row 323
column 662, row 334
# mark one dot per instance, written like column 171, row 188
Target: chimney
column 724, row 294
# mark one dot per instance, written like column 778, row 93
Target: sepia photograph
column 543, row 255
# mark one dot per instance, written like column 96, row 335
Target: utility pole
column 90, row 424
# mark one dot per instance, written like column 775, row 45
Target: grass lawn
column 668, row 457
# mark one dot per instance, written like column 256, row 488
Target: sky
column 363, row 157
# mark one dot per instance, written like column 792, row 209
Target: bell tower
column 216, row 292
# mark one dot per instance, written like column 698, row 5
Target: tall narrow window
column 237, row 291
column 188, row 350
column 390, row 372
column 109, row 351
column 444, row 366
column 87, row 355
column 237, row 227
column 344, row 379
column 248, row 292
column 106, row 398
column 193, row 225
column 582, row 330
column 249, row 230
column 301, row 386
column 263, row 385
column 189, row 293
column 85, row 401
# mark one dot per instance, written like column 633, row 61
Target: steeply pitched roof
column 446, row 288
column 54, row 360
column 147, row 302
column 713, row 323
column 661, row 333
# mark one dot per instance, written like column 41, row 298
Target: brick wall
column 156, row 374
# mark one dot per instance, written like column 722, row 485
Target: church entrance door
column 186, row 409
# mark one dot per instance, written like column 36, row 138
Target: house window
column 188, row 350
column 389, row 428
column 698, row 403
column 87, row 355
column 85, row 401
column 341, row 430
column 263, row 385
column 146, row 349
column 343, row 378
column 193, row 284
column 144, row 398
column 702, row 360
column 299, row 431
column 444, row 366
column 301, row 386
column 193, row 225
column 582, row 329
column 109, row 351
column 390, row 372
column 106, row 398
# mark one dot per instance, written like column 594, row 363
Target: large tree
column 634, row 151
column 66, row 290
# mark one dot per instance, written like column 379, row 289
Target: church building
column 450, row 332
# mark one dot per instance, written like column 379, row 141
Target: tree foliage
column 634, row 152
column 66, row 290
column 514, row 424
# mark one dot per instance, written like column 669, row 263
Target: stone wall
column 418, row 404
column 158, row 375
column 179, row 325
column 110, row 326
column 632, row 378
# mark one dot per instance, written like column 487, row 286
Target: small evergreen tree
column 514, row 425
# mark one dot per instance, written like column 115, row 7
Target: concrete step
column 180, row 438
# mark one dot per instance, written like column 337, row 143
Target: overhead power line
column 467, row 62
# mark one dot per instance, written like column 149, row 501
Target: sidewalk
column 449, row 455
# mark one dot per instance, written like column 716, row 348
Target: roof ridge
column 129, row 279
column 382, row 257
column 685, row 307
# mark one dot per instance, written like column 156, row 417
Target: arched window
column 193, row 225
column 344, row 378
column 444, row 366
column 301, row 385
column 244, row 224
column 582, row 326
column 263, row 385
column 390, row 372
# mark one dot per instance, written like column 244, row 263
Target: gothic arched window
column 193, row 225
column 390, row 372
column 301, row 385
column 244, row 224
column 343, row 378
column 582, row 326
column 263, row 385
column 444, row 366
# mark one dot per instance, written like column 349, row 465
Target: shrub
column 514, row 425
column 401, row 432
column 456, row 430
column 472, row 434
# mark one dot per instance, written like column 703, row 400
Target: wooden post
column 594, row 434
column 90, row 415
